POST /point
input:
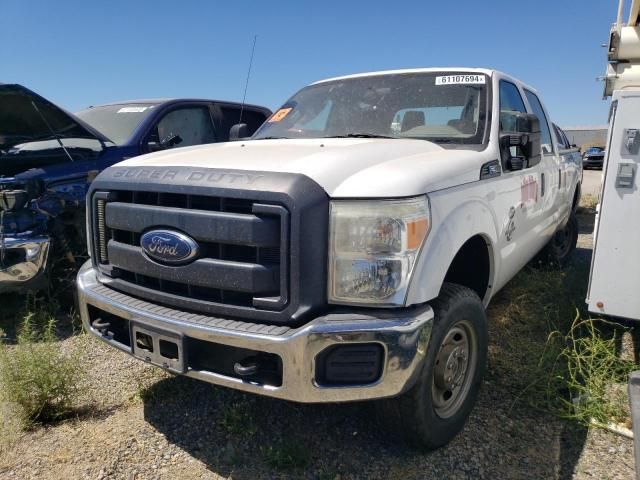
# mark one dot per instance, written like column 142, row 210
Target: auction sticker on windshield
column 279, row 115
column 132, row 109
column 461, row 80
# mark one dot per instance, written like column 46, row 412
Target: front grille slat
column 204, row 272
column 220, row 227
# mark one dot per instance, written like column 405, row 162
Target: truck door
column 553, row 203
column 518, row 204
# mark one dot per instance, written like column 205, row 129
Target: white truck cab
column 345, row 252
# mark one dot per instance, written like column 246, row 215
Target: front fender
column 451, row 228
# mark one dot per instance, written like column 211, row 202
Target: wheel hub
column 454, row 367
column 451, row 366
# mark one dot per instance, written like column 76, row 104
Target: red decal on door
column 529, row 189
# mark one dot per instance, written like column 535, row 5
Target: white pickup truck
column 345, row 252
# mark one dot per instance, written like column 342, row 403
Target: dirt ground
column 142, row 423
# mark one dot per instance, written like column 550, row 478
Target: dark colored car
column 48, row 157
column 593, row 157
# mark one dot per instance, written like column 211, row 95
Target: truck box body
column 614, row 286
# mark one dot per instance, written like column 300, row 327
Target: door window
column 545, row 133
column 510, row 98
column 510, row 102
column 193, row 125
column 560, row 138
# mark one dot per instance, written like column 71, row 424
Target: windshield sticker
column 132, row 109
column 461, row 80
column 279, row 115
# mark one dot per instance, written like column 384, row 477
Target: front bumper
column 402, row 334
column 592, row 162
column 23, row 263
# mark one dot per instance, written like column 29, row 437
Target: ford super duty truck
column 347, row 251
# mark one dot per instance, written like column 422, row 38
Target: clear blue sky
column 79, row 53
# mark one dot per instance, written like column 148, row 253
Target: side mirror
column 169, row 141
column 520, row 142
column 238, row 131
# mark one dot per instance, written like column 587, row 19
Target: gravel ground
column 591, row 181
column 145, row 424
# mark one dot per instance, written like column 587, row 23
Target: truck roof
column 486, row 71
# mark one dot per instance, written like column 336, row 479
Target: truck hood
column 343, row 167
column 20, row 122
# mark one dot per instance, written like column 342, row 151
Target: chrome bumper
column 24, row 262
column 403, row 334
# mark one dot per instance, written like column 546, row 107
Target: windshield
column 595, row 150
column 441, row 107
column 116, row 122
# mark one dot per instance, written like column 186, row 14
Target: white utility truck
column 614, row 286
column 345, row 252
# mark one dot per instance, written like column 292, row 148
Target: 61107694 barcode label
column 461, row 80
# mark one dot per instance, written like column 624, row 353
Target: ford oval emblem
column 166, row 246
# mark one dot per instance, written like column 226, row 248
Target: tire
column 425, row 417
column 561, row 246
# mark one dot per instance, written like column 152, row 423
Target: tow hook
column 102, row 327
column 246, row 369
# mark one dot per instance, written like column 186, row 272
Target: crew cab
column 346, row 252
column 48, row 157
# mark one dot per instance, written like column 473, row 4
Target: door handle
column 559, row 179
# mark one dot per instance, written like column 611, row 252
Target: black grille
column 123, row 216
column 262, row 240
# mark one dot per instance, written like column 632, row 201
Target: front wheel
column 438, row 405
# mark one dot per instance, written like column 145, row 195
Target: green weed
column 36, row 376
column 587, row 372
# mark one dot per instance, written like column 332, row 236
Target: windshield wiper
column 273, row 138
column 359, row 135
column 438, row 140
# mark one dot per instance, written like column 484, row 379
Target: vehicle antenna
column 253, row 49
column 54, row 134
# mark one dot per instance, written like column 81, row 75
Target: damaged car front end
column 47, row 160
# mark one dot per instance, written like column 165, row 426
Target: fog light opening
column 350, row 364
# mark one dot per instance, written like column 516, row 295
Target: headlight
column 373, row 246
